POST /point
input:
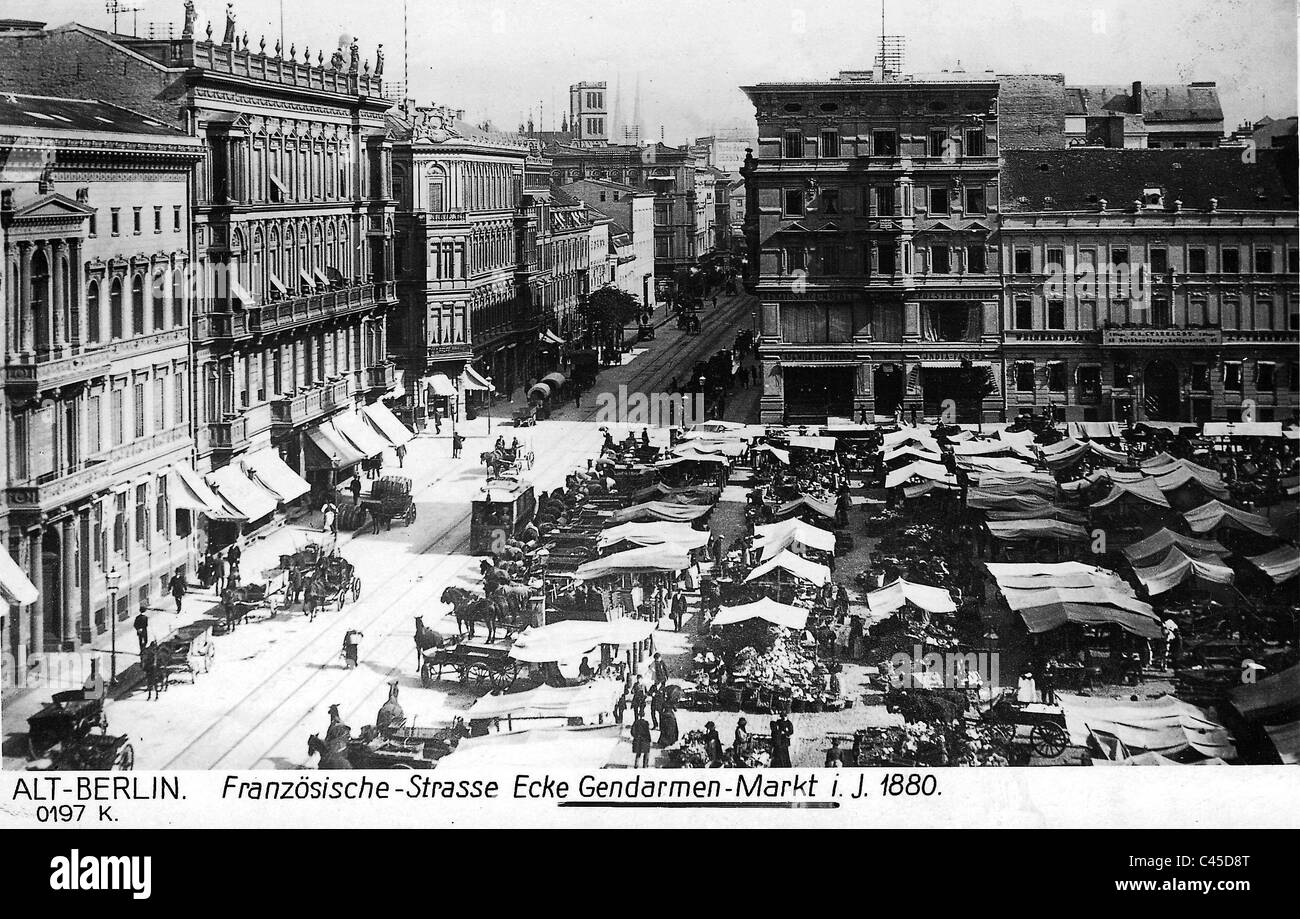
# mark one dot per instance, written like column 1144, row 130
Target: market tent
column 275, row 475
column 922, row 470
column 1063, row 453
column 1286, row 739
column 782, row 614
column 774, row 537
column 1022, row 442
column 1106, row 453
column 1180, row 477
column 909, row 435
column 1144, row 490
column 186, row 490
column 718, row 426
column 1003, row 465
column 386, row 424
column 441, row 386
column 587, row 701
column 729, row 448
column 655, row 533
column 665, row 557
column 335, row 450
column 1024, row 504
column 659, row 510
column 251, row 500
column 926, row 486
column 1214, row 514
column 570, row 640
column 16, row 588
column 794, row 564
column 825, row 444
column 1161, row 540
column 1041, row 484
column 981, row 448
column 824, row 508
column 1034, row 508
column 1046, row 528
column 1116, row 593
column 585, row 749
column 359, row 434
column 685, row 494
column 1093, row 430
column 1242, row 429
column 1178, row 566
column 913, row 452
column 691, row 458
column 782, row 455
column 1271, row 698
column 1280, row 565
column 1041, row 619
column 892, row 596
column 1165, row 725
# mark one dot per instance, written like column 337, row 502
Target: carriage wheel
column 504, row 677
column 125, row 759
column 479, row 674
column 410, row 516
column 356, row 589
column 1003, row 732
column 1049, row 739
column 37, row 750
column 426, row 674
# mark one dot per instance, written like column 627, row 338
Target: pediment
column 53, row 207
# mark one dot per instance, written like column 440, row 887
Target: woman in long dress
column 667, row 722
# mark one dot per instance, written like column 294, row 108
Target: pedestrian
column 638, row 698
column 228, row 606
column 234, row 554
column 640, row 743
column 645, row 437
column 620, row 706
column 577, row 396
column 667, row 721
column 712, row 744
column 457, row 441
column 177, row 587
column 585, row 673
column 679, row 610
column 293, row 586
column 834, row 756
column 142, row 629
column 355, row 488
column 740, row 743
column 329, row 517
column 401, row 456
column 351, row 646
column 223, row 572
column 659, row 670
column 913, row 415
column 437, row 425
column 782, row 731
column 862, row 415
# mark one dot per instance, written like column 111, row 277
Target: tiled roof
column 77, row 115
column 1079, row 177
column 1160, row 102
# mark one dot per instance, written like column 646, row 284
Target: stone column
column 67, row 620
column 58, row 324
column 22, row 321
column 36, row 570
column 911, row 320
column 8, row 289
column 76, row 294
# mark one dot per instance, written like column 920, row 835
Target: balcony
column 381, row 376
column 26, row 375
column 1051, row 336
column 237, row 432
column 305, row 407
column 460, row 216
column 293, row 311
column 268, row 69
column 221, row 326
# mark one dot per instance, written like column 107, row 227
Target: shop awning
column 307, row 279
column 335, row 451
column 655, row 533
column 1041, row 619
column 588, row 701
column 186, row 490
column 277, row 283
column 793, row 564
column 242, row 493
column 1280, row 564
column 665, row 557
column 441, row 385
column 1177, row 566
column 472, row 379
column 893, row 595
column 767, row 609
column 774, row 537
column 275, row 475
column 280, row 187
column 386, row 424
column 570, row 640
column 320, row 277
column 359, row 434
column 550, row 338
column 240, row 293
column 16, row 588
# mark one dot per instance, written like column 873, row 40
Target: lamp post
column 489, row 404
column 111, row 580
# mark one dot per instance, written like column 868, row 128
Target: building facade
column 871, row 217
column 632, row 212
column 1152, row 285
column 589, row 113
column 95, row 219
column 1144, row 116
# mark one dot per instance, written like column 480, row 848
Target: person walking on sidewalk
column 142, row 630
column 177, row 587
column 330, row 518
column 401, row 455
column 641, row 741
column 457, row 442
column 222, row 570
column 351, row 646
column 355, row 488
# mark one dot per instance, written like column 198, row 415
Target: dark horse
column 332, row 756
column 464, row 604
column 425, row 638
column 155, row 676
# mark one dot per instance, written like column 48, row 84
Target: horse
column 425, row 638
column 155, row 677
column 516, row 597
column 462, row 602
column 493, row 460
column 332, row 756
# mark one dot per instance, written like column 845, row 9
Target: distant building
column 632, row 213
column 1144, row 116
column 589, row 113
column 725, row 149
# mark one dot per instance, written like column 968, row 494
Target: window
column 1056, row 314
column 662, row 215
column 178, row 297
column 117, row 418
column 137, row 405
column 1089, row 377
column 938, row 142
column 938, row 200
column 176, row 218
column 975, row 260
column 1292, row 260
column 159, row 403
column 1196, row 261
column 975, row 200
column 142, row 515
column 157, row 218
column 115, row 225
column 661, row 247
column 1024, row 313
column 162, row 511
column 21, row 449
column 794, row 259
column 940, row 260
column 94, row 223
column 1230, row 262
column 793, row 202
column 178, row 399
column 1200, row 378
column 885, row 258
column 1263, row 261
column 135, row 220
column 831, row 201
column 1056, row 258
column 884, row 196
column 1024, row 371
column 94, row 442
column 1160, row 261
column 1122, row 373
column 159, row 304
column 793, row 145
column 830, row 258
column 1119, row 256
column 119, row 522
column 1232, row 376
column 830, row 143
column 1023, row 261
column 1056, row 376
column 975, row 142
column 97, row 532
column 1265, row 378
column 884, row 143
column 137, row 305
column 92, row 311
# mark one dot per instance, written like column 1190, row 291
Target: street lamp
column 111, row 580
column 491, row 391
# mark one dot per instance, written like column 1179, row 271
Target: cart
column 524, row 417
column 476, row 663
column 335, row 581
column 93, row 753
column 68, row 718
column 1047, row 734
column 507, row 506
column 390, row 499
column 188, row 650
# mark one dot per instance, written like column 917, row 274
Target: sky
column 501, row 59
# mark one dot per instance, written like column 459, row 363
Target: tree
column 977, row 384
column 606, row 312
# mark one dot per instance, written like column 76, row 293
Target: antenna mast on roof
column 890, row 57
column 406, row 58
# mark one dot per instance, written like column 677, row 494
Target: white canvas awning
column 1280, row 565
column 793, row 564
column 767, row 609
column 186, row 490
column 655, row 533
column 892, row 597
column 665, row 557
column 386, row 424
column 1242, row 429
column 441, row 385
column 775, row 537
column 587, row 701
column 15, row 586
column 360, row 434
column 275, row 475
column 242, row 493
column 571, row 640
column 336, row 449
column 472, row 379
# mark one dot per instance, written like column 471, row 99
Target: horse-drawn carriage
column 475, row 663
column 188, row 650
column 390, row 499
column 71, row 731
column 507, row 506
column 524, row 417
column 331, row 581
column 1047, row 735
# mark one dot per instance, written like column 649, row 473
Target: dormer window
column 1153, row 197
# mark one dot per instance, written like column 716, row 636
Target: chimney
column 1137, row 97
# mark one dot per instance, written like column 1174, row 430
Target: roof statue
column 229, row 37
column 187, row 31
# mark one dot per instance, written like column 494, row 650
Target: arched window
column 116, row 318
column 38, row 299
column 158, row 293
column 137, row 305
column 92, row 311
column 178, row 297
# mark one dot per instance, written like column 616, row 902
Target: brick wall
column 1031, row 111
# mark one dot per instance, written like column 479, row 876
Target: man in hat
column 659, row 670
column 740, row 742
column 457, row 442
column 640, row 743
column 782, row 731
